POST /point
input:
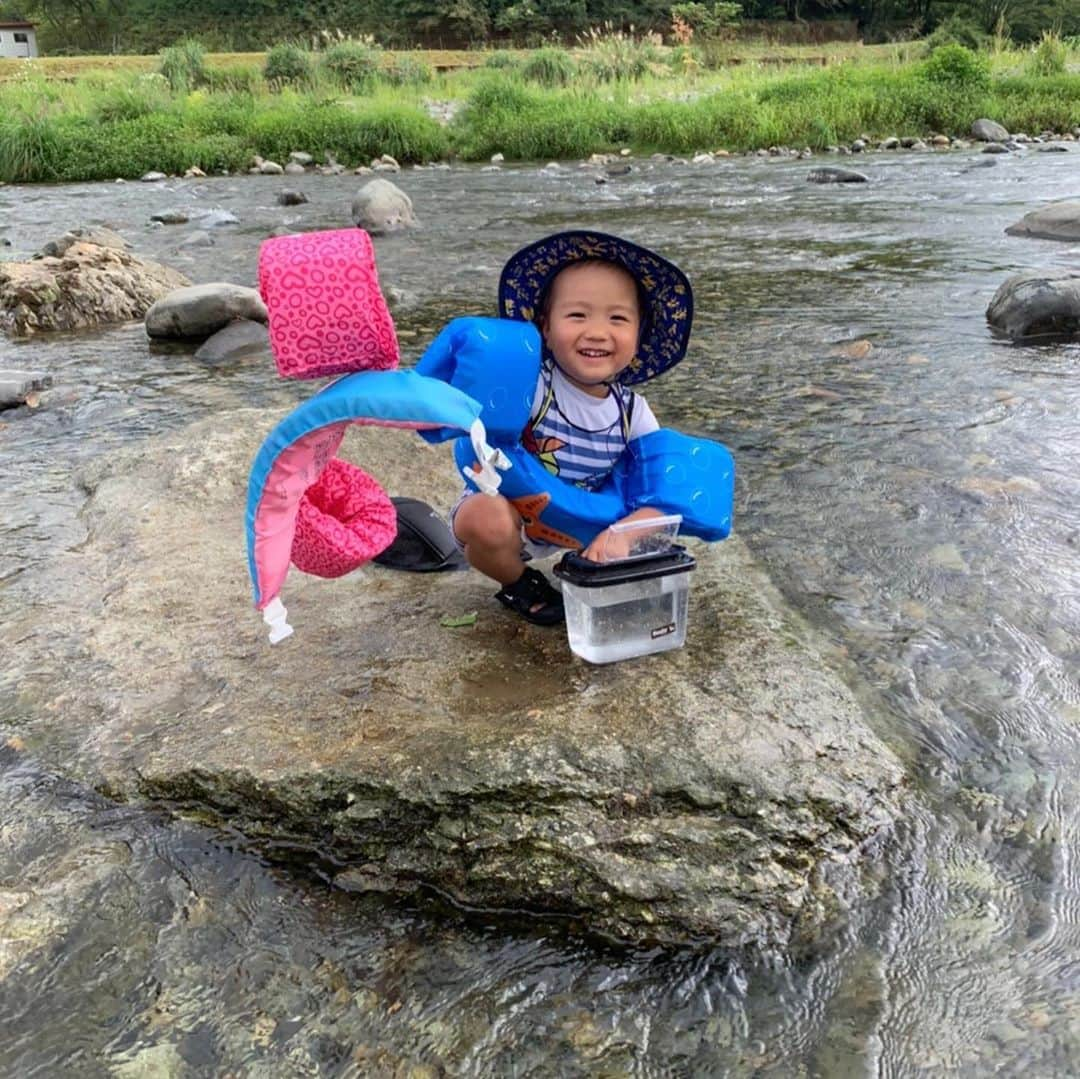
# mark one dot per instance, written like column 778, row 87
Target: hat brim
column 664, row 288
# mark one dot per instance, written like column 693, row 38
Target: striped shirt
column 579, row 437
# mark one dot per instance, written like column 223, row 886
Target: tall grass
column 118, row 123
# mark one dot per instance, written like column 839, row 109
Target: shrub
column 352, row 64
column 288, row 64
column 244, row 79
column 501, row 60
column 406, row 71
column 550, row 67
column 127, row 103
column 1049, row 56
column 29, row 146
column 958, row 68
column 183, row 65
column 957, row 30
column 614, row 56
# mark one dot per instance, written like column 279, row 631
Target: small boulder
column 201, row 310
column 382, row 207
column 829, row 175
column 298, row 157
column 1037, row 305
column 153, row 177
column 213, row 219
column 1054, row 148
column 1058, row 221
column 235, row 341
column 271, row 168
column 385, row 163
column 294, row 168
column 995, row 148
column 940, row 140
column 988, row 131
column 198, row 238
column 97, row 235
column 170, row 217
column 21, row 387
column 291, row 198
column 891, row 143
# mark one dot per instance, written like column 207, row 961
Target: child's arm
column 606, row 546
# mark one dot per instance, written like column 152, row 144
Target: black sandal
column 533, row 597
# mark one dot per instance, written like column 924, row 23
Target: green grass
column 113, row 121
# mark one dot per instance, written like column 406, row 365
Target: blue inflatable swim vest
column 496, row 362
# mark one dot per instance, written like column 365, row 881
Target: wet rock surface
column 728, row 791
column 1058, row 221
column 1045, row 303
column 86, row 284
column 202, row 310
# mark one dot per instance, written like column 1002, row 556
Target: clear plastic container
column 640, row 539
column 632, row 607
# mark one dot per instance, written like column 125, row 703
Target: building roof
column 16, row 25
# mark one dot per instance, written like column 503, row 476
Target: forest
column 145, row 26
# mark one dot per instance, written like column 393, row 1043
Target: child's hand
column 607, row 546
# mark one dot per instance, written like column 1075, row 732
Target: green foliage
column 353, row 65
column 29, row 146
column 549, row 67
column 240, row 78
column 183, row 65
column 958, row 29
column 527, row 123
column 406, row 71
column 288, row 64
column 616, row 57
column 959, row 69
column 501, row 60
column 1049, row 56
column 705, row 20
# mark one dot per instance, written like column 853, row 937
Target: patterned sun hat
column 664, row 288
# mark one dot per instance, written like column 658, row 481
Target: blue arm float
column 673, row 472
column 496, row 362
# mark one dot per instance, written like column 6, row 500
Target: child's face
column 591, row 324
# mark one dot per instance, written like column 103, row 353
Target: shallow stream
column 917, row 498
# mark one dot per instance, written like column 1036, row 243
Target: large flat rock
column 1057, row 221
column 730, row 791
column 85, row 284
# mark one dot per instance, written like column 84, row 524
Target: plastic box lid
column 587, row 574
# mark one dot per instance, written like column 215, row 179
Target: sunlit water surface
column 919, row 502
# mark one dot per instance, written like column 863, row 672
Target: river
column 916, row 498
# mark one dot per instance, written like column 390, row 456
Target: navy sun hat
column 665, row 291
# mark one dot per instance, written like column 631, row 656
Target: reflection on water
column 916, row 497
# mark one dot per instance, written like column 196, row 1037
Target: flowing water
column 918, row 500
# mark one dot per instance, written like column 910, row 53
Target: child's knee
column 487, row 521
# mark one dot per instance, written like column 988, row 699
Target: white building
column 17, row 39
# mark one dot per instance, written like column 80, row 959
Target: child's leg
column 489, row 529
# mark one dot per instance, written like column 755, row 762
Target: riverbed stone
column 98, row 235
column 170, row 217
column 1036, row 304
column 89, row 285
column 829, row 175
column 201, row 310
column 238, row 339
column 19, row 387
column 1057, row 221
column 381, row 206
column 984, row 130
column 291, row 198
column 730, row 791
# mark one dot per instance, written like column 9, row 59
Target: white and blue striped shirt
column 579, row 437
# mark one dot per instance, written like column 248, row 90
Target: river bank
column 123, row 125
